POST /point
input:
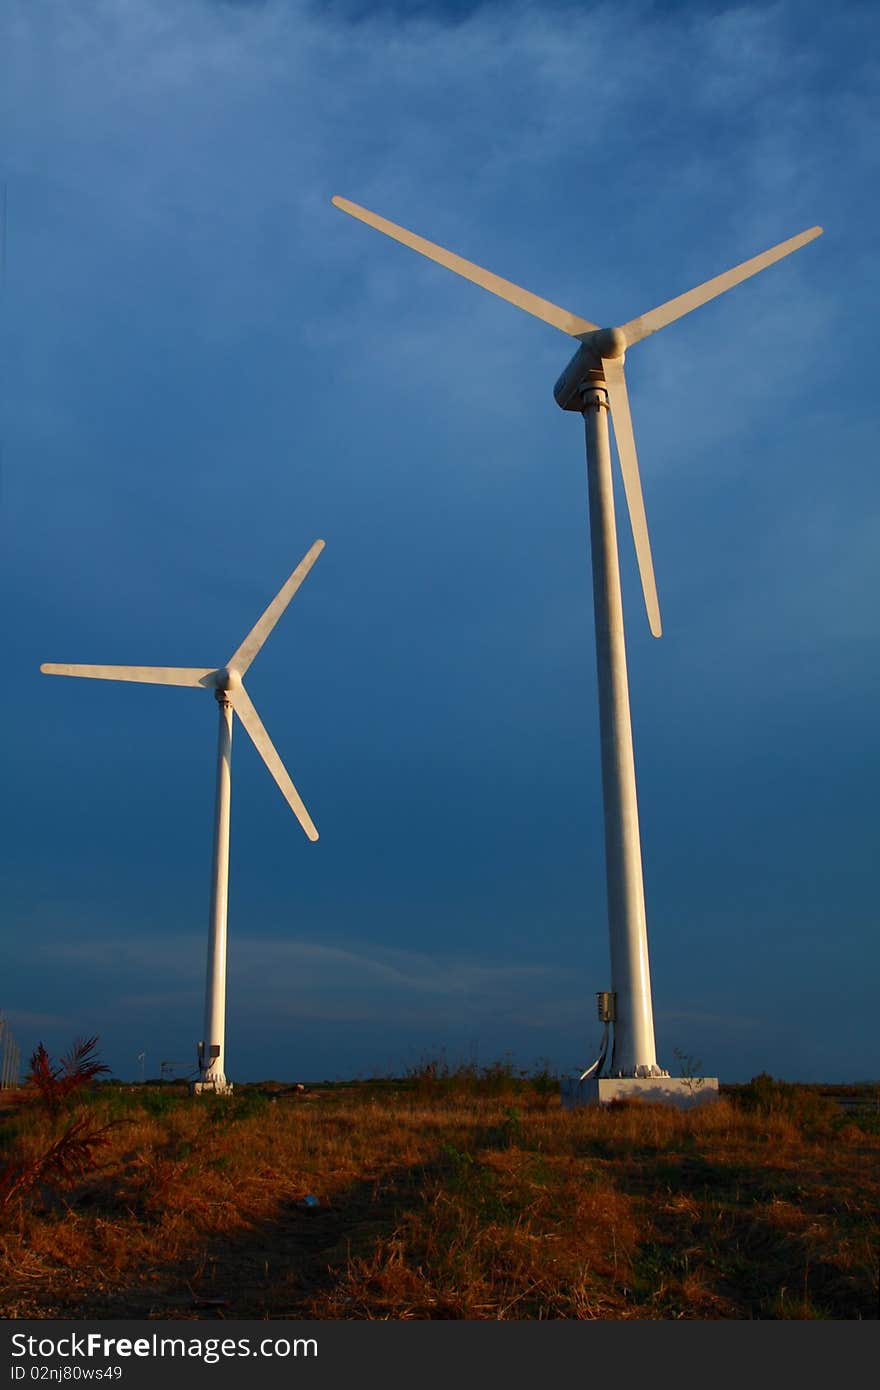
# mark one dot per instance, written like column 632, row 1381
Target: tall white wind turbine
column 594, row 385
column 230, row 694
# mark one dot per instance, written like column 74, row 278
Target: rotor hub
column 609, row 342
column 227, row 679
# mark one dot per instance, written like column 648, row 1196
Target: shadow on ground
column 274, row 1269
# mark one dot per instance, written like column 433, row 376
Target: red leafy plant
column 68, row 1157
column 71, row 1153
column 56, row 1082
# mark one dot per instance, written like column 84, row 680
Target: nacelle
column 581, row 370
column 585, row 368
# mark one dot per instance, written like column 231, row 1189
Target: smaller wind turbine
column 230, row 694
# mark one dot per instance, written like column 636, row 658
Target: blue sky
column 205, row 366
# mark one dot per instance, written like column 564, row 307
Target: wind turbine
column 230, row 694
column 593, row 384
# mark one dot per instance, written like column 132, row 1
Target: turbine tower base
column 681, row 1091
column 217, row 1088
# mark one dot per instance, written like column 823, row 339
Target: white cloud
column 307, row 978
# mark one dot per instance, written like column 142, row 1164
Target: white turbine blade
column 673, row 309
column 241, row 659
column 243, row 706
column 539, row 308
column 149, row 675
column 629, row 467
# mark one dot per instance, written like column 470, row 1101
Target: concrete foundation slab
column 681, row 1091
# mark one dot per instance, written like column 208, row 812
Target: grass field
column 464, row 1195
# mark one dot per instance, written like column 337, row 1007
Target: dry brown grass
column 445, row 1203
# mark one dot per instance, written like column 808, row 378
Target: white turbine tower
column 226, row 683
column 593, row 384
